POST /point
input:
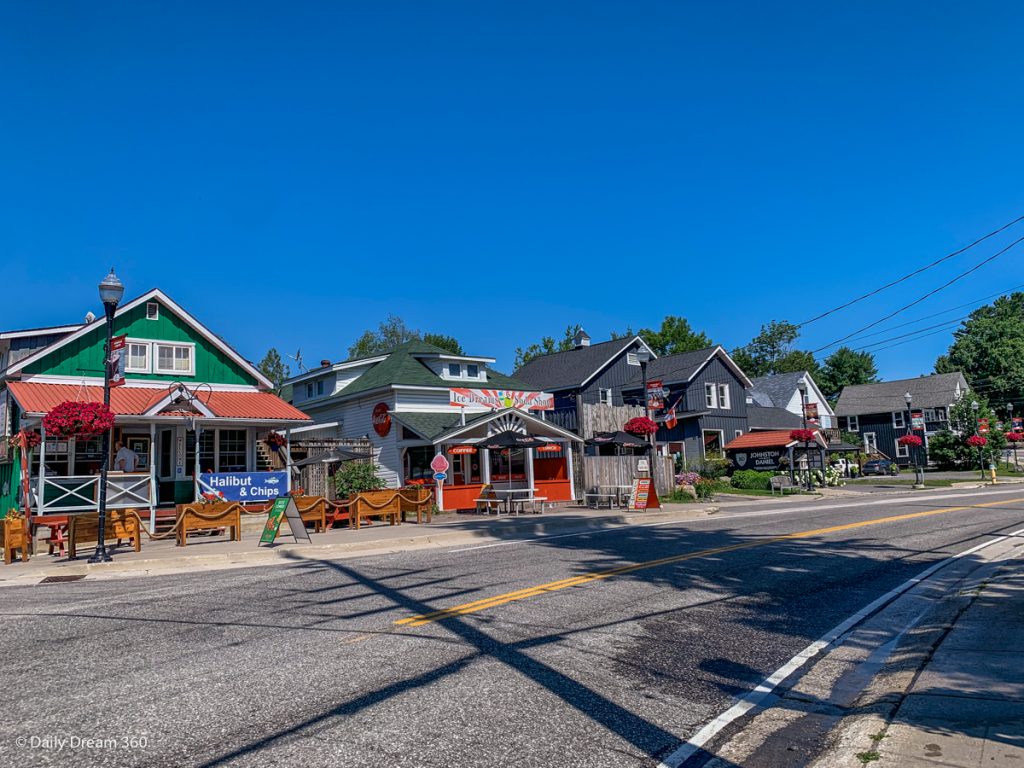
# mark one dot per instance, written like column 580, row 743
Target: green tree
column 355, row 477
column 844, row 368
column 546, row 346
column 674, row 336
column 989, row 349
column 392, row 332
column 949, row 449
column 273, row 367
column 772, row 351
column 449, row 343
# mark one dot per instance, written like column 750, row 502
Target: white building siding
column 355, row 419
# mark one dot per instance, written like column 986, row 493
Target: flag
column 670, row 419
column 115, row 361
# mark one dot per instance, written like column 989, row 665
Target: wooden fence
column 622, row 470
column 315, row 479
column 606, row 418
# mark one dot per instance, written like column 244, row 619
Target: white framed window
column 472, row 371
column 320, row 387
column 711, row 395
column 178, row 359
column 902, row 451
column 137, row 360
column 723, row 396
column 898, row 420
column 455, row 370
column 739, row 433
column 604, row 396
column 853, row 424
column 152, row 310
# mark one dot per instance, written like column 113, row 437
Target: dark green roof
column 403, row 368
column 432, row 425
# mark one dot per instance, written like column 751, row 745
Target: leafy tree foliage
column 989, row 349
column 449, row 343
column 392, row 332
column 772, row 351
column 844, row 368
column 355, row 477
column 674, row 336
column 546, row 346
column 274, row 368
column 949, row 450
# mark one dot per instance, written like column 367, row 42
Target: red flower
column 911, row 440
column 640, row 426
column 977, row 441
column 71, row 419
column 802, row 435
column 1015, row 437
column 276, row 440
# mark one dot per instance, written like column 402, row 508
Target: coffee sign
column 381, row 419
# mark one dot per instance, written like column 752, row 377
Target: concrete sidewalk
column 447, row 530
column 966, row 706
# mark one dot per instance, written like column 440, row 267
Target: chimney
column 325, row 363
column 581, row 339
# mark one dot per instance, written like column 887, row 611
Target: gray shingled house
column 878, row 412
column 782, row 390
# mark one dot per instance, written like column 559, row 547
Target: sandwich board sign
column 644, row 496
column 284, row 508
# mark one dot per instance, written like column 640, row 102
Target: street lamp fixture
column 801, row 385
column 913, row 450
column 111, row 290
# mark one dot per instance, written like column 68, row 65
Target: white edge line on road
column 834, row 636
column 712, row 518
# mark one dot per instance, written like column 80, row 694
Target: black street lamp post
column 111, row 291
column 802, row 386
column 1013, row 431
column 913, row 450
column 643, row 357
column 981, row 450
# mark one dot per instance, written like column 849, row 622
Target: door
column 164, row 458
column 870, row 443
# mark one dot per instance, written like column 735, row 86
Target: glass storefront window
column 417, row 463
column 231, row 450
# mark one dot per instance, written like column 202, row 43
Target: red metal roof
column 776, row 438
column 34, row 397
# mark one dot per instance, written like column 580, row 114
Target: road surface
column 600, row 649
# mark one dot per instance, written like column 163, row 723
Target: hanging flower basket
column 71, row 419
column 276, row 441
column 977, row 441
column 913, row 441
column 802, row 435
column 1015, row 437
column 640, row 426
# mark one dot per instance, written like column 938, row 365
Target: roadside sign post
column 440, row 466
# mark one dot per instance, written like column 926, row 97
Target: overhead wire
column 917, row 301
column 916, row 272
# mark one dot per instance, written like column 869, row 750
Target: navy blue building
column 588, row 373
column 708, row 392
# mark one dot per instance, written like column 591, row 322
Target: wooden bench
column 206, row 517
column 599, row 499
column 118, row 524
column 312, row 509
column 418, row 500
column 783, row 483
column 14, row 531
column 367, row 504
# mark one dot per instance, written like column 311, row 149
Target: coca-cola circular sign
column 381, row 419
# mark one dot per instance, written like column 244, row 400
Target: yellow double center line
column 575, row 581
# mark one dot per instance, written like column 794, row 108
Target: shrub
column 687, row 478
column 705, row 489
column 712, row 469
column 356, row 477
column 751, row 479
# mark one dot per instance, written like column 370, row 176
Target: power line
column 943, row 312
column 947, row 325
column 916, row 272
column 930, row 293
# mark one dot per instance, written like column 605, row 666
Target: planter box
column 15, row 538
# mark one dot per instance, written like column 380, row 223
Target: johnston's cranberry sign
column 381, row 419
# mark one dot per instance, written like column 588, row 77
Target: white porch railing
column 61, row 495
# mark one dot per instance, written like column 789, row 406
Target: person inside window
column 125, row 460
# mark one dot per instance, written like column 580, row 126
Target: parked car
column 846, row 467
column 881, row 467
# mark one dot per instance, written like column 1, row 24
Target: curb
column 280, row 553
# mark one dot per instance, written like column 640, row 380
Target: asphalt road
column 606, row 659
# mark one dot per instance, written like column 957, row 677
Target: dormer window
column 455, row 370
column 473, row 371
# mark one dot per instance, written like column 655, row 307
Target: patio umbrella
column 506, row 441
column 333, row 456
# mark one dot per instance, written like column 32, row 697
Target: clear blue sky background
column 292, row 173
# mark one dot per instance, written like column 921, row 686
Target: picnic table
column 515, row 504
column 620, row 492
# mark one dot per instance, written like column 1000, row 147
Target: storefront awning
column 38, row 399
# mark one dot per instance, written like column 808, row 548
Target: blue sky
column 293, row 173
